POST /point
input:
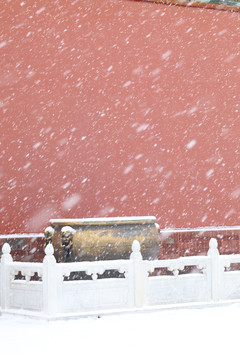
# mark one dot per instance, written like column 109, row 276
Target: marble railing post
column 5, row 276
column 137, row 273
column 50, row 285
column 213, row 253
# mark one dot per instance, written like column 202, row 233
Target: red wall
column 118, row 108
column 175, row 243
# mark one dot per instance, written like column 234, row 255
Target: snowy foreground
column 203, row 333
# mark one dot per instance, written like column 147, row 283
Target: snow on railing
column 54, row 289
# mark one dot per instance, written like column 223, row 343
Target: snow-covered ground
column 203, row 333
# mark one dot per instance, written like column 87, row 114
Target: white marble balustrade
column 55, row 289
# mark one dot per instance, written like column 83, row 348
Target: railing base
column 113, row 312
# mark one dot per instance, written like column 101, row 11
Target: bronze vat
column 102, row 238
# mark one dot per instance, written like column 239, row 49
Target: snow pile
column 204, row 333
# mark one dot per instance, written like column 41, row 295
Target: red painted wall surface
column 118, row 108
column 25, row 248
column 196, row 242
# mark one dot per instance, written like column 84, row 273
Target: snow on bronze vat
column 103, row 238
